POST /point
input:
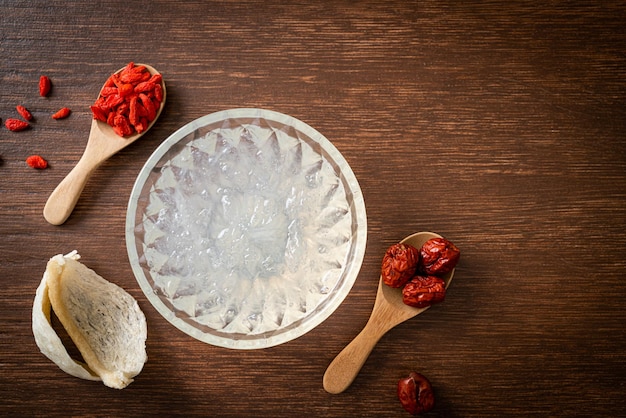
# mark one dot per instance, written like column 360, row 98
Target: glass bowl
column 246, row 228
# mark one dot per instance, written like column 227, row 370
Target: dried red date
column 416, row 394
column 423, row 291
column 438, row 256
column 399, row 264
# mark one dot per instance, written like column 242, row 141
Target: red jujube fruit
column 399, row 264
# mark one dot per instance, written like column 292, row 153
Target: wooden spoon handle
column 62, row 200
column 346, row 366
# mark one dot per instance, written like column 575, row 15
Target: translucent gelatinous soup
column 246, row 229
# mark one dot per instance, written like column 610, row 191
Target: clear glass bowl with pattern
column 246, row 228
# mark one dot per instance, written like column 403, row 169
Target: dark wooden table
column 500, row 125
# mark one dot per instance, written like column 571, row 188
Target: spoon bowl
column 103, row 142
column 389, row 311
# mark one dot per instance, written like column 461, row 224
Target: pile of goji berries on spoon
column 129, row 100
column 128, row 104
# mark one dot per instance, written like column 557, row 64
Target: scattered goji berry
column 15, row 125
column 24, row 112
column 36, row 161
column 44, row 86
column 134, row 94
column 62, row 113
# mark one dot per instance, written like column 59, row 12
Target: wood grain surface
column 499, row 125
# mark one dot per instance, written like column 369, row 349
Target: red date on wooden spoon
column 399, row 264
column 438, row 256
column 424, row 291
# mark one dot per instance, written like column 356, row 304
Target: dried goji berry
column 133, row 115
column 116, row 80
column 110, row 118
column 44, row 86
column 113, row 101
column 122, row 109
column 110, row 82
column 125, row 89
column 36, row 161
column 121, row 126
column 134, row 74
column 15, row 125
column 150, row 107
column 98, row 113
column 62, row 113
column 158, row 93
column 24, row 112
column 156, row 78
column 141, row 111
column 108, row 91
column 144, row 87
column 142, row 125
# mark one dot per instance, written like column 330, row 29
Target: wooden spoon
column 103, row 143
column 389, row 311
